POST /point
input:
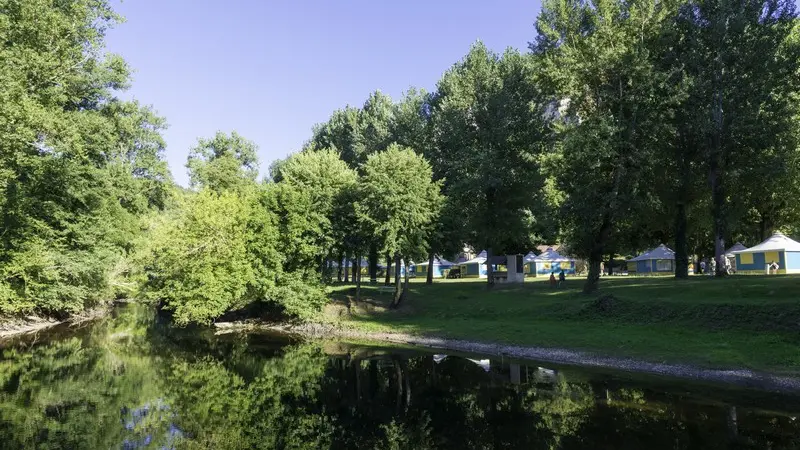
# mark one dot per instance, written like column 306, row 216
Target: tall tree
column 745, row 78
column 398, row 202
column 77, row 166
column 326, row 178
column 489, row 131
column 598, row 58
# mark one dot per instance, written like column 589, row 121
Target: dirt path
column 740, row 377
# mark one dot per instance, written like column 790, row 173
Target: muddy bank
column 740, row 377
column 30, row 324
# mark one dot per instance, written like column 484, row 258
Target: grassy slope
column 746, row 321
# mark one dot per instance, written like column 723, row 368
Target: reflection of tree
column 132, row 382
column 79, row 392
column 562, row 408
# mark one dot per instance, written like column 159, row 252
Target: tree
column 399, row 201
column 599, row 59
column 223, row 162
column 325, row 177
column 743, row 67
column 201, row 267
column 342, row 133
column 489, row 132
column 78, row 167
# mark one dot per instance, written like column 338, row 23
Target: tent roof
column 660, row 252
column 530, row 257
column 551, row 255
column 776, row 242
column 737, row 247
column 480, row 259
column 437, row 260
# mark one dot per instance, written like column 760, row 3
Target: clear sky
column 271, row 69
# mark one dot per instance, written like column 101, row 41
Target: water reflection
column 134, row 382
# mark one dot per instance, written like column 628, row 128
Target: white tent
column 778, row 249
column 778, row 242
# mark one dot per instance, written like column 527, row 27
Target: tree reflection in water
column 134, row 382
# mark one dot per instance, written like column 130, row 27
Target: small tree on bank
column 399, row 201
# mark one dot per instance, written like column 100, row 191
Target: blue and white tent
column 658, row 260
column 475, row 267
column 550, row 261
column 440, row 268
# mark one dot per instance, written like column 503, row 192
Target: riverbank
column 561, row 356
column 13, row 327
column 742, row 323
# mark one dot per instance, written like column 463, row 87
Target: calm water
column 131, row 381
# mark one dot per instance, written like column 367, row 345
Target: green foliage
column 223, row 163
column 399, row 200
column 489, row 133
column 201, row 265
column 79, row 167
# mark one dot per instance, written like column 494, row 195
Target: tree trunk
column 373, row 264
column 489, row 269
column 346, row 270
column 596, row 257
column 357, row 278
column 593, row 280
column 339, row 269
column 397, row 293
column 681, row 244
column 404, row 296
column 429, row 278
column 388, row 270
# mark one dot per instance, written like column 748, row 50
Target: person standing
column 561, row 278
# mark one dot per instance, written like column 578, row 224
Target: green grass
column 737, row 322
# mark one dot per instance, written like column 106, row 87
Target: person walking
column 552, row 279
column 561, row 278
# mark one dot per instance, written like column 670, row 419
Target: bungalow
column 660, row 260
column 440, row 268
column 550, row 261
column 731, row 256
column 475, row 267
column 778, row 248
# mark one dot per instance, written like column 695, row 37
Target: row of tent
column 778, row 248
column 550, row 261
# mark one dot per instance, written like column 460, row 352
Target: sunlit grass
column 750, row 322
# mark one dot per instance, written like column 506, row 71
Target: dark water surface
column 132, row 381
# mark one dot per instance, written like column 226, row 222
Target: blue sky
column 271, row 69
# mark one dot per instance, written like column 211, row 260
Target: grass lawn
column 736, row 322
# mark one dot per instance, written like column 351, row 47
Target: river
column 133, row 381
